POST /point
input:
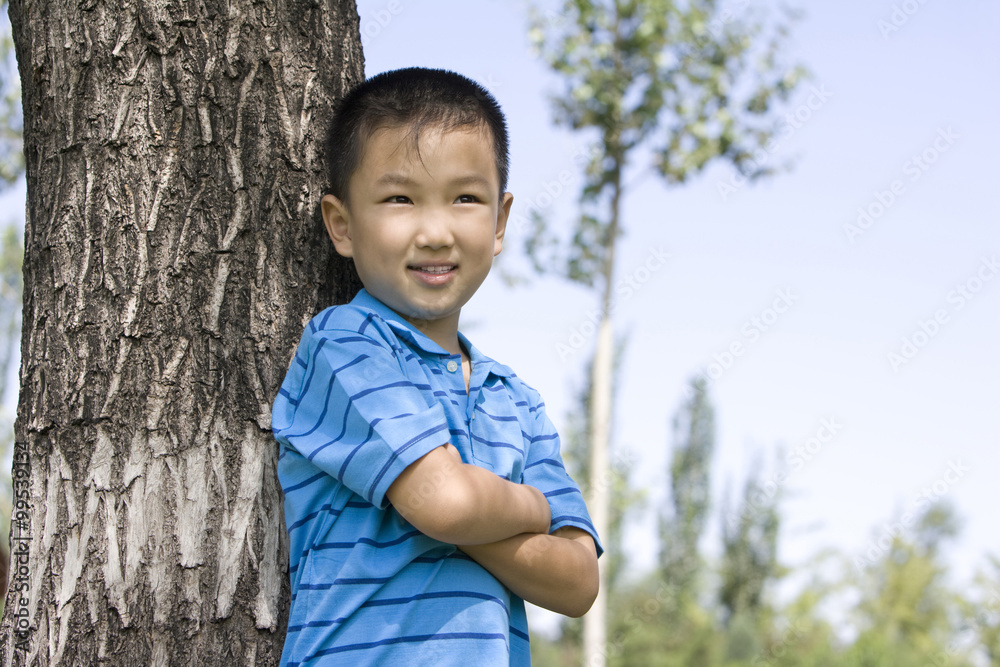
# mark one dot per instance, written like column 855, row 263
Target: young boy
column 423, row 504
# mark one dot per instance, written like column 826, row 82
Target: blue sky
column 899, row 123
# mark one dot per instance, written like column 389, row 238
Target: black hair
column 417, row 97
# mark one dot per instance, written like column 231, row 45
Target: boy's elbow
column 577, row 604
column 583, row 571
column 586, row 595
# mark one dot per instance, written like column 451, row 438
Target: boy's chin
column 420, row 313
column 428, row 315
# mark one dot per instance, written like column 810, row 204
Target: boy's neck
column 444, row 332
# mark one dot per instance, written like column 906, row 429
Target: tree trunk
column 595, row 649
column 595, row 623
column 173, row 252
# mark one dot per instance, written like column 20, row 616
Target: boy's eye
column 467, row 199
column 398, row 199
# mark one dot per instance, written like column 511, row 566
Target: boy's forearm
column 498, row 509
column 462, row 504
column 557, row 572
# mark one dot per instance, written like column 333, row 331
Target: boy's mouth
column 433, row 268
column 433, row 275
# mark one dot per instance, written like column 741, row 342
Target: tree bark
column 173, row 253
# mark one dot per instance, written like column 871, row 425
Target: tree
column 682, row 525
column 906, row 614
column 622, row 497
column 690, row 81
column 983, row 615
column 749, row 563
column 173, row 251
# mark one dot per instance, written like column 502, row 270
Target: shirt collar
column 417, row 338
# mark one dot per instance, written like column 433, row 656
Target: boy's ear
column 503, row 212
column 337, row 220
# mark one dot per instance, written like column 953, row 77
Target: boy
column 423, row 505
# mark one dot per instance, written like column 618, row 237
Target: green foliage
column 691, row 81
column 11, row 120
column 906, row 610
column 749, row 552
column 683, row 523
column 982, row 615
column 650, row 624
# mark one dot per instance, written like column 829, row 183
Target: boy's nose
column 434, row 231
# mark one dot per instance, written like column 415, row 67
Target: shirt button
column 452, row 366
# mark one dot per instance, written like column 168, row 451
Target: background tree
column 906, row 613
column 982, row 613
column 685, row 80
column 749, row 564
column 623, row 497
column 659, row 620
column 173, row 251
column 683, row 521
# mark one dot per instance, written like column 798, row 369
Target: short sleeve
column 350, row 410
column 544, row 470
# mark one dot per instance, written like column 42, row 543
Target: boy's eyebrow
column 397, row 178
column 393, row 178
column 471, row 179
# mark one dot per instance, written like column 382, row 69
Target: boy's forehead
column 407, row 143
column 410, row 135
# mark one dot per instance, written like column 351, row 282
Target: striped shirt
column 365, row 396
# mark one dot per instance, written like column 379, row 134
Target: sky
column 860, row 289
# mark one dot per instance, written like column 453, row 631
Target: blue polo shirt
column 365, row 396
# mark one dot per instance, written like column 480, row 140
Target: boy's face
column 422, row 229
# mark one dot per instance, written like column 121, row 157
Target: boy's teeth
column 435, row 269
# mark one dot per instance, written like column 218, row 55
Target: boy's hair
column 417, row 97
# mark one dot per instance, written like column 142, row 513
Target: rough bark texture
column 173, row 253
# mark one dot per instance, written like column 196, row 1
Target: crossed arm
column 503, row 526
